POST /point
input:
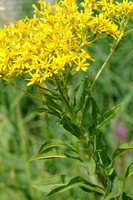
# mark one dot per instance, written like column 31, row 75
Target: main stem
column 82, row 138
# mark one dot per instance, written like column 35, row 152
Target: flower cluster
column 54, row 41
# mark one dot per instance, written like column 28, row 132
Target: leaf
column 75, row 94
column 70, row 126
column 122, row 148
column 53, row 96
column 51, row 182
column 61, row 183
column 52, row 104
column 126, row 196
column 46, row 111
column 86, row 109
column 54, row 143
column 104, row 156
column 129, row 172
column 95, row 109
column 114, row 189
column 49, row 153
column 85, row 91
column 106, row 118
column 92, row 166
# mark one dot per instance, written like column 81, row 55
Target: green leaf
column 126, row 196
column 52, row 106
column 75, row 95
column 122, row 148
column 114, row 189
column 106, row 118
column 54, row 143
column 53, row 96
column 92, row 166
column 61, row 183
column 86, row 109
column 129, row 172
column 49, row 183
column 49, row 153
column 70, row 126
column 40, row 110
column 95, row 110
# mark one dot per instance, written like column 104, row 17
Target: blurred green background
column 23, row 131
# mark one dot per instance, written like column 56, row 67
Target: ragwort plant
column 48, row 51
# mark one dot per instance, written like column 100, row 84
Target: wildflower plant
column 48, row 51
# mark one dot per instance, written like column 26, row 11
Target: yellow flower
column 56, row 41
column 81, row 65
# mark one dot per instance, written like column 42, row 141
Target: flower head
column 55, row 39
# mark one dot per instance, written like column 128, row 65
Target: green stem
column 104, row 64
column 30, row 95
column 65, row 101
column 82, row 138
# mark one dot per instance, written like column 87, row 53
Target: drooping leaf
column 52, row 96
column 49, row 183
column 70, row 126
column 54, row 143
column 49, row 153
column 61, row 183
column 40, row 110
column 114, row 189
column 52, row 104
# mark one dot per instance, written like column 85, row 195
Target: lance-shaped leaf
column 95, row 110
column 126, row 196
column 75, row 95
column 61, row 183
column 53, row 96
column 114, row 189
column 53, row 112
column 129, row 172
column 55, row 153
column 49, row 183
column 122, row 148
column 70, row 126
column 106, row 118
column 54, row 143
column 76, row 182
column 49, row 153
column 92, row 166
column 52, row 104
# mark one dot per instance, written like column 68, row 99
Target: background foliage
column 23, row 131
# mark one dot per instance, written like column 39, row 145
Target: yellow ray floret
column 55, row 39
